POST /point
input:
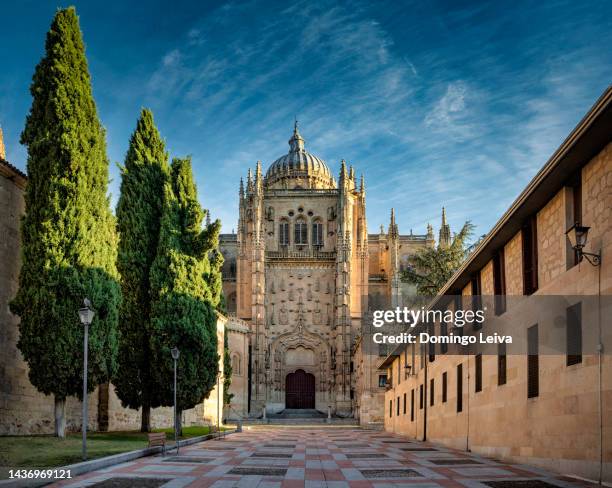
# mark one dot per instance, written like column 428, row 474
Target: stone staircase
column 300, row 416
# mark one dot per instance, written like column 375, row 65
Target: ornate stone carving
column 283, row 316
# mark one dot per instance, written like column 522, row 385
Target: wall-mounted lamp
column 577, row 235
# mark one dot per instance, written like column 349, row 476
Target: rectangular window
column 478, row 373
column 431, row 392
column 499, row 282
column 420, row 397
column 404, row 404
column 412, row 405
column 283, row 233
column 574, row 334
column 397, row 406
column 458, row 305
column 382, row 380
column 576, row 216
column 390, row 408
column 530, row 256
column 399, row 370
column 459, row 387
column 501, row 364
column 432, row 345
column 443, row 332
column 533, row 367
column 444, row 387
column 317, row 234
column 476, row 287
column 301, row 232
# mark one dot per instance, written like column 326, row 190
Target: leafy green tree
column 432, row 267
column 139, row 210
column 183, row 302
column 69, row 242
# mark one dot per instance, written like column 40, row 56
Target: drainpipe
column 599, row 373
column 467, row 436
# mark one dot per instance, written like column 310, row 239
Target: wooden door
column 300, row 390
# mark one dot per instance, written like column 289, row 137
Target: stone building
column 546, row 400
column 23, row 409
column 302, row 272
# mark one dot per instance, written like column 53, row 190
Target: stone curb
column 105, row 462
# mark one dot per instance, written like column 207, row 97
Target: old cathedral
column 300, row 275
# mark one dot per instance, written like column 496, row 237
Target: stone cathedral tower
column 298, row 272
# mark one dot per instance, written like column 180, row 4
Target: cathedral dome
column 298, row 168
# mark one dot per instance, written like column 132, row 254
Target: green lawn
column 48, row 451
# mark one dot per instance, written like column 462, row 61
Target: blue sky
column 438, row 103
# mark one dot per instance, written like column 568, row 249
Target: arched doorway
column 300, row 390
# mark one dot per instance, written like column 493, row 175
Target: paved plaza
column 316, row 457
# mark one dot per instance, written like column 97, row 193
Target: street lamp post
column 86, row 315
column 175, row 355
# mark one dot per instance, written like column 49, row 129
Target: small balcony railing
column 304, row 254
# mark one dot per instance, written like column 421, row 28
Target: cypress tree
column 139, row 210
column 183, row 302
column 68, row 232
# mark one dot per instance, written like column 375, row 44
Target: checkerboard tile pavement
column 317, row 457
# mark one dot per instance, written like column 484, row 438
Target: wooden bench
column 158, row 439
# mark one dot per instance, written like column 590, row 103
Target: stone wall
column 559, row 428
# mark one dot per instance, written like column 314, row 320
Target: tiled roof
column 13, row 173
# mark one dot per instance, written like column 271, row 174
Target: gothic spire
column 393, row 230
column 444, row 238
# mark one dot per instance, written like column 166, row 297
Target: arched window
column 236, row 364
column 301, row 231
column 283, row 233
column 317, row 233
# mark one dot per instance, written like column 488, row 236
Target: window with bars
column 533, row 366
column 390, row 408
column 499, row 282
column 404, row 403
column 501, row 364
column 317, row 233
column 459, row 387
column 574, row 334
column 478, row 373
column 444, row 387
column 283, row 233
column 530, row 256
column 412, row 405
column 301, row 232
column 397, row 406
column 382, row 380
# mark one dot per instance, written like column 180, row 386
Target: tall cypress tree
column 139, row 211
column 183, row 302
column 68, row 232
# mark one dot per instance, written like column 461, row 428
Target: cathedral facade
column 301, row 273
